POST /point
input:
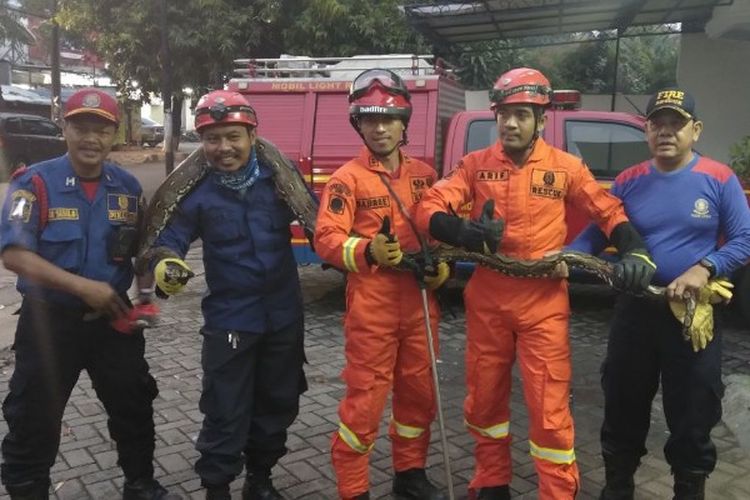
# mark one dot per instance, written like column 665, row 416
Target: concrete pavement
column 86, row 463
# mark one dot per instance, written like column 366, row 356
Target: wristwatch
column 709, row 266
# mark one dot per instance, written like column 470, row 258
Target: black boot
column 413, row 484
column 494, row 493
column 363, row 496
column 259, row 487
column 31, row 490
column 217, row 492
column 619, row 472
column 689, row 485
column 147, row 489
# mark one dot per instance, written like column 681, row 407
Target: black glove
column 634, row 271
column 482, row 235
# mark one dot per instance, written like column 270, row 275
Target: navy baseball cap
column 672, row 98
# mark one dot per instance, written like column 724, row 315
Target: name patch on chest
column 62, row 214
column 122, row 208
column 548, row 183
column 418, row 186
column 492, row 175
column 371, row 203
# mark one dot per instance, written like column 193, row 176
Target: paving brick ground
column 86, row 465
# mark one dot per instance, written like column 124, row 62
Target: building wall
column 717, row 72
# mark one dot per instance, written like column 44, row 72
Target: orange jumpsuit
column 508, row 317
column 386, row 342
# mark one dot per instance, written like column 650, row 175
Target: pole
column 166, row 90
column 617, row 64
column 436, row 384
column 56, row 103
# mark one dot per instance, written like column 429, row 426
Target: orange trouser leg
column 413, row 394
column 370, row 348
column 489, row 359
column 544, row 361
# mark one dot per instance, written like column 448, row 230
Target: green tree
column 345, row 27
column 204, row 37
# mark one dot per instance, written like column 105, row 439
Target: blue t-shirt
column 699, row 211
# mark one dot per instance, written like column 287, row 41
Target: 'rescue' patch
column 418, row 186
column 548, row 183
column 336, row 204
column 339, row 188
column 372, row 203
column 122, row 208
column 492, row 175
column 62, row 214
column 22, row 201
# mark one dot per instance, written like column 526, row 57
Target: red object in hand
column 140, row 316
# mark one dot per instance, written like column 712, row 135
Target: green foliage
column 346, row 28
column 479, row 67
column 12, row 31
column 739, row 158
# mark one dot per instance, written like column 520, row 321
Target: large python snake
column 292, row 188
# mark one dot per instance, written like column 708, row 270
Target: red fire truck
column 302, row 107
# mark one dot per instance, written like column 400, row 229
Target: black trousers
column 646, row 345
column 53, row 344
column 251, row 388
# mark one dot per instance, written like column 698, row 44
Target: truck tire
column 742, row 293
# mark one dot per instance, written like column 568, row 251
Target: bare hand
column 561, row 270
column 688, row 283
column 103, row 298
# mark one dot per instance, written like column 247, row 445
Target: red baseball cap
column 93, row 102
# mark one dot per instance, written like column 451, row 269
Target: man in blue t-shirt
column 694, row 218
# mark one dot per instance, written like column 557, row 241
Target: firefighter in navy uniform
column 56, row 217
column 253, row 336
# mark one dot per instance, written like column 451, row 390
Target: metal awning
column 463, row 22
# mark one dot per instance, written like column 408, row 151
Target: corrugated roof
column 462, row 22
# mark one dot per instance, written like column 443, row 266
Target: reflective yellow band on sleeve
column 497, row 431
column 551, row 454
column 350, row 256
column 351, row 439
column 406, row 431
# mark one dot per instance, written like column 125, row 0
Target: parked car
column 27, row 139
column 152, row 133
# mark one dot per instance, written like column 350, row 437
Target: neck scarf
column 241, row 179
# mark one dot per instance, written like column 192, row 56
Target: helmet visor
column 390, row 81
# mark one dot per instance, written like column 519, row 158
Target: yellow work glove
column 385, row 250
column 435, row 281
column 701, row 330
column 172, row 274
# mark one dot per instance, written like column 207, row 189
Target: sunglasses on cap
column 390, row 81
column 219, row 111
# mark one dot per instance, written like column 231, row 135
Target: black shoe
column 363, row 496
column 31, row 490
column 147, row 489
column 689, row 485
column 619, row 472
column 494, row 493
column 259, row 487
column 413, row 484
column 218, row 492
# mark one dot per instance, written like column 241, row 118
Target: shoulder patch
column 336, row 204
column 339, row 188
column 22, row 201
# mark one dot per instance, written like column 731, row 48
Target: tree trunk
column 177, row 101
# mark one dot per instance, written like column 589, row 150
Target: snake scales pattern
column 293, row 189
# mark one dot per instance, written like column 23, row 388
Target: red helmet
column 222, row 107
column 379, row 92
column 521, row 86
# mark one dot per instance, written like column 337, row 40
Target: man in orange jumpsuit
column 386, row 343
column 526, row 183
